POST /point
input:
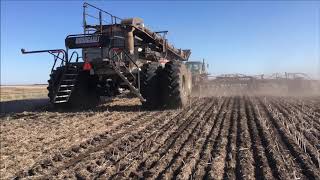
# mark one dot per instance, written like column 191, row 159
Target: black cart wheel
column 176, row 83
column 150, row 86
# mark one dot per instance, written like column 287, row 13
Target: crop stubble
column 239, row 137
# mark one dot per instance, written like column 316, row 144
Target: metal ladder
column 66, row 85
column 118, row 58
column 133, row 89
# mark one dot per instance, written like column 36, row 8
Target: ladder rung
column 62, row 96
column 60, row 101
column 66, row 85
column 132, row 88
column 71, row 85
column 64, row 91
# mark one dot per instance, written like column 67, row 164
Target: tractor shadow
column 43, row 105
column 18, row 106
column 104, row 106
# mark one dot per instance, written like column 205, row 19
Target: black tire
column 150, row 86
column 84, row 94
column 53, row 82
column 176, row 83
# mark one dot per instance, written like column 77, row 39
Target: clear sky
column 248, row 37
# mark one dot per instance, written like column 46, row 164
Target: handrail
column 85, row 14
column 137, row 68
column 50, row 51
column 55, row 60
column 85, row 4
column 56, row 54
column 23, row 51
column 126, row 54
column 76, row 35
column 111, row 48
column 74, row 52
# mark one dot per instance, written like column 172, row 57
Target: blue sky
column 248, row 37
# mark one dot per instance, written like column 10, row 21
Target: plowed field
column 239, row 137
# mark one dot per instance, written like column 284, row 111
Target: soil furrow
column 228, row 137
column 299, row 157
column 154, row 143
column 230, row 160
column 245, row 161
column 262, row 168
column 282, row 163
column 188, row 163
column 179, row 140
column 204, row 159
column 214, row 167
column 311, row 127
column 185, row 151
column 293, row 114
column 76, row 154
column 136, row 139
column 296, row 131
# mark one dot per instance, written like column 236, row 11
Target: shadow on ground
column 17, row 106
column 41, row 105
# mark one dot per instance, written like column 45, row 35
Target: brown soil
column 234, row 137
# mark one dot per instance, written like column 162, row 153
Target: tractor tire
column 84, row 94
column 177, row 85
column 150, row 86
column 53, row 82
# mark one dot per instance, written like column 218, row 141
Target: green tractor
column 199, row 74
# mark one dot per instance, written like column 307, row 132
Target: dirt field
column 221, row 138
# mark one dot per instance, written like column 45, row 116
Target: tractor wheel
column 53, row 83
column 149, row 85
column 84, row 93
column 176, row 83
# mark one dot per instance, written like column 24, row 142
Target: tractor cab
column 199, row 73
column 196, row 67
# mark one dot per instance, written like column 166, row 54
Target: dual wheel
column 168, row 87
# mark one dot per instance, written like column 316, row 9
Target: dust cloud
column 299, row 88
